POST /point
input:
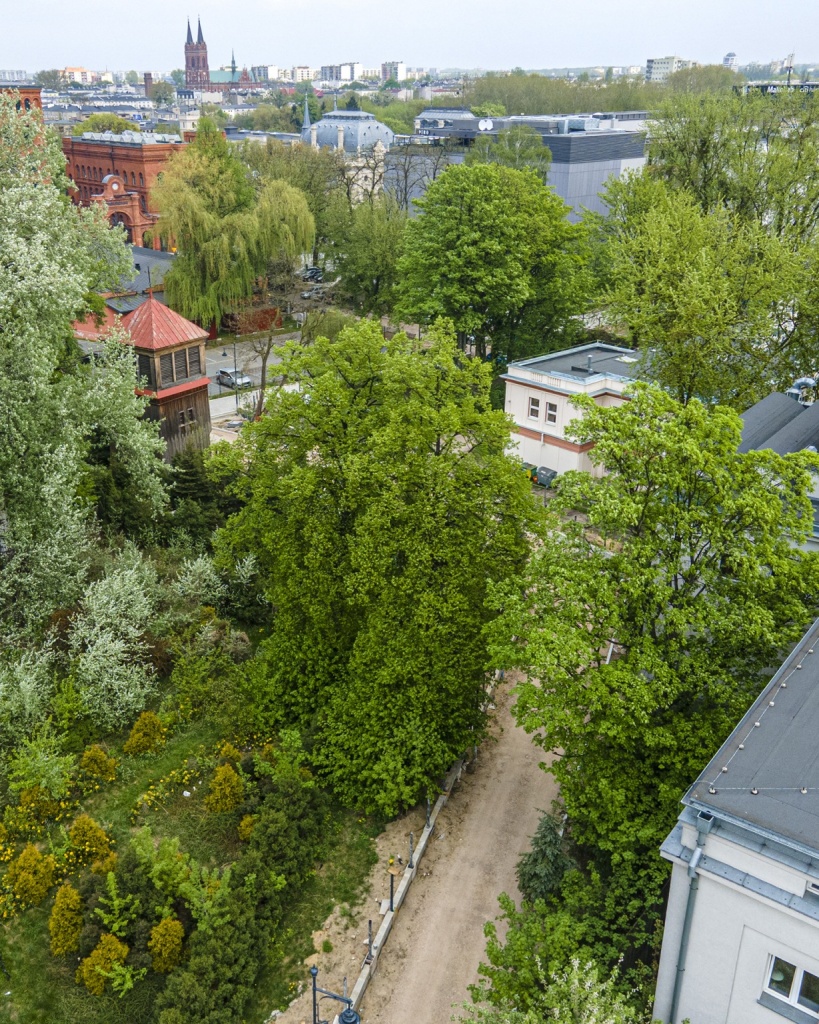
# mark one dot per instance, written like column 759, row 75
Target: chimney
column 340, row 138
column 314, row 136
column 589, row 362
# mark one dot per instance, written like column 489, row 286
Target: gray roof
column 802, row 432
column 585, row 361
column 773, row 750
column 150, row 268
column 765, row 418
column 361, row 130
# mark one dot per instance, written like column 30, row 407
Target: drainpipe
column 704, row 823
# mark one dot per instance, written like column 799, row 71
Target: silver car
column 233, row 379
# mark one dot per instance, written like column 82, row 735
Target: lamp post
column 347, row 1016
column 235, row 372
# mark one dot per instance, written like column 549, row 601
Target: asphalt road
column 247, row 361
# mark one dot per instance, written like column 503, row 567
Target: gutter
column 704, row 823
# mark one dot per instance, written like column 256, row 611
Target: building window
column 141, row 181
column 133, row 178
column 551, row 412
column 145, row 368
column 166, row 369
column 534, row 408
column 191, row 416
column 180, row 366
column 195, row 367
column 794, row 985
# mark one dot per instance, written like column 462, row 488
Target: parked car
column 313, row 293
column 233, row 379
column 313, row 274
column 545, row 476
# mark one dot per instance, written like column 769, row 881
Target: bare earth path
column 437, row 941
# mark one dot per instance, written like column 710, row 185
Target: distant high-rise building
column 730, row 61
column 13, row 76
column 659, row 68
column 395, row 69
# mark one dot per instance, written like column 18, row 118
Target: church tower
column 197, row 72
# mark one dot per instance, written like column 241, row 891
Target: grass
column 340, row 881
column 43, row 990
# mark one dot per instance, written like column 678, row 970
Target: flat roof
column 585, row 361
column 771, row 785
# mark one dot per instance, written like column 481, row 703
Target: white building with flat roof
column 539, row 395
column 659, row 68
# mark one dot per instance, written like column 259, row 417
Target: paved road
column 246, row 360
column 437, row 942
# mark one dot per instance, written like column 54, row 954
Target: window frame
column 792, row 999
column 551, row 413
column 536, row 403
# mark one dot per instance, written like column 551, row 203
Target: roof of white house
column 765, row 777
column 586, row 369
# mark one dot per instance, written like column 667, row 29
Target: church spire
column 189, row 40
column 306, row 122
column 232, row 66
column 199, row 37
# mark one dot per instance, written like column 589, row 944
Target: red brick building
column 120, row 170
column 28, row 97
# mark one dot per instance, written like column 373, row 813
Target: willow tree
column 227, row 227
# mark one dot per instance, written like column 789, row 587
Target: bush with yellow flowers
column 65, row 922
column 89, row 841
column 148, row 734
column 165, row 945
column 100, row 962
column 226, row 790
column 245, row 827
column 29, row 877
column 97, row 766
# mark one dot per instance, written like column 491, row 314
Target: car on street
column 313, row 293
column 313, row 274
column 233, row 379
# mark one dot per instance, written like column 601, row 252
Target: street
column 247, row 361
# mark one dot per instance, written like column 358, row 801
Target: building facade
column 741, row 939
column 120, row 170
column 539, row 395
column 659, row 68
column 197, row 72
column 28, row 97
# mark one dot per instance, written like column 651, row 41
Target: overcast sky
column 150, row 34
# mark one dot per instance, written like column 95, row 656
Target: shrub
column 98, row 765
column 246, row 827
column 226, row 790
column 30, row 876
column 65, row 923
column 541, row 870
column 89, row 839
column 93, row 970
column 148, row 734
column 165, row 945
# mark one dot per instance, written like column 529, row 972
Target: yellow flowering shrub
column 65, row 922
column 91, row 972
column 96, row 764
column 30, row 876
column 226, row 790
column 148, row 734
column 165, row 945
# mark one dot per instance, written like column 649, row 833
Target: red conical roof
column 153, row 326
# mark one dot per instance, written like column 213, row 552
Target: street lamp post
column 347, row 1016
column 235, row 373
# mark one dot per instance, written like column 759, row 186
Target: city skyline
column 589, row 33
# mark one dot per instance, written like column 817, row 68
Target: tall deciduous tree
column 713, row 300
column 492, row 250
column 646, row 634
column 380, row 503
column 227, row 226
column 54, row 254
column 369, row 240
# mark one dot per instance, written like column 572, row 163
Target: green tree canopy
column 162, row 93
column 379, row 504
column 710, row 298
column 645, row 633
column 368, row 242
column 51, row 78
column 493, row 251
column 103, row 123
column 519, row 147
column 227, row 227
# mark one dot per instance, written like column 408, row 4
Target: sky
column 150, row 34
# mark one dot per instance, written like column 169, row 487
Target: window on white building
column 551, row 412
column 534, row 408
column 794, row 985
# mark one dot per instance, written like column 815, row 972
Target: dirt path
column 437, row 940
